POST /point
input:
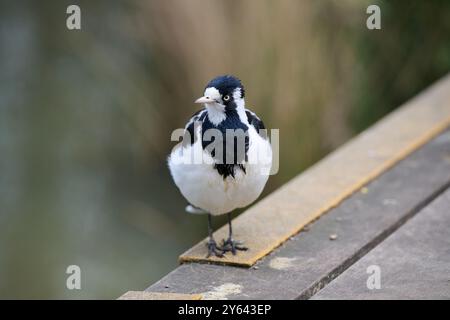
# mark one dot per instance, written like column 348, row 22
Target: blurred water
column 69, row 191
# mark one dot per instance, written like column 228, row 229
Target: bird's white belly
column 205, row 188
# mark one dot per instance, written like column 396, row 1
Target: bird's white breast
column 205, row 188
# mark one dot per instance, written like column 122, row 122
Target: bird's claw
column 213, row 249
column 232, row 245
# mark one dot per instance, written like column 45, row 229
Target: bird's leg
column 213, row 249
column 230, row 244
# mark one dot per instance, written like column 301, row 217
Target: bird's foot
column 232, row 245
column 213, row 249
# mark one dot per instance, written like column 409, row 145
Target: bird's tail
column 194, row 210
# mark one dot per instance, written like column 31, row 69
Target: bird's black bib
column 232, row 157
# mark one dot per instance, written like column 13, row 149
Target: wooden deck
column 414, row 262
column 392, row 214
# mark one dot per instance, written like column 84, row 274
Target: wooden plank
column 144, row 295
column 413, row 263
column 310, row 260
column 279, row 216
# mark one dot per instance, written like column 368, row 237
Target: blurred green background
column 86, row 116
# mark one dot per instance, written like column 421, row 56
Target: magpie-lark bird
column 233, row 173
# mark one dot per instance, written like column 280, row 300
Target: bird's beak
column 204, row 100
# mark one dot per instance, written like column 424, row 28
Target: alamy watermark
column 73, row 21
column 373, row 22
column 374, row 280
column 73, row 281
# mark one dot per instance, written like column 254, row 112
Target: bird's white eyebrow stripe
column 237, row 93
column 212, row 93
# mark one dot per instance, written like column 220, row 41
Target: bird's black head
column 223, row 92
column 226, row 85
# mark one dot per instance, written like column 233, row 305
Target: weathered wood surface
column 285, row 212
column 143, row 295
column 413, row 263
column 310, row 260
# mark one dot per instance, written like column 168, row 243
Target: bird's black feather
column 231, row 122
column 226, row 85
column 189, row 133
column 256, row 123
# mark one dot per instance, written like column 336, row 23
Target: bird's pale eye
column 226, row 98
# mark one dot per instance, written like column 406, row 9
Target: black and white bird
column 220, row 183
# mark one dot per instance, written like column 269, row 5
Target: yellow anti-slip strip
column 282, row 214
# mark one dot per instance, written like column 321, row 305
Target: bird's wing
column 189, row 129
column 256, row 122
